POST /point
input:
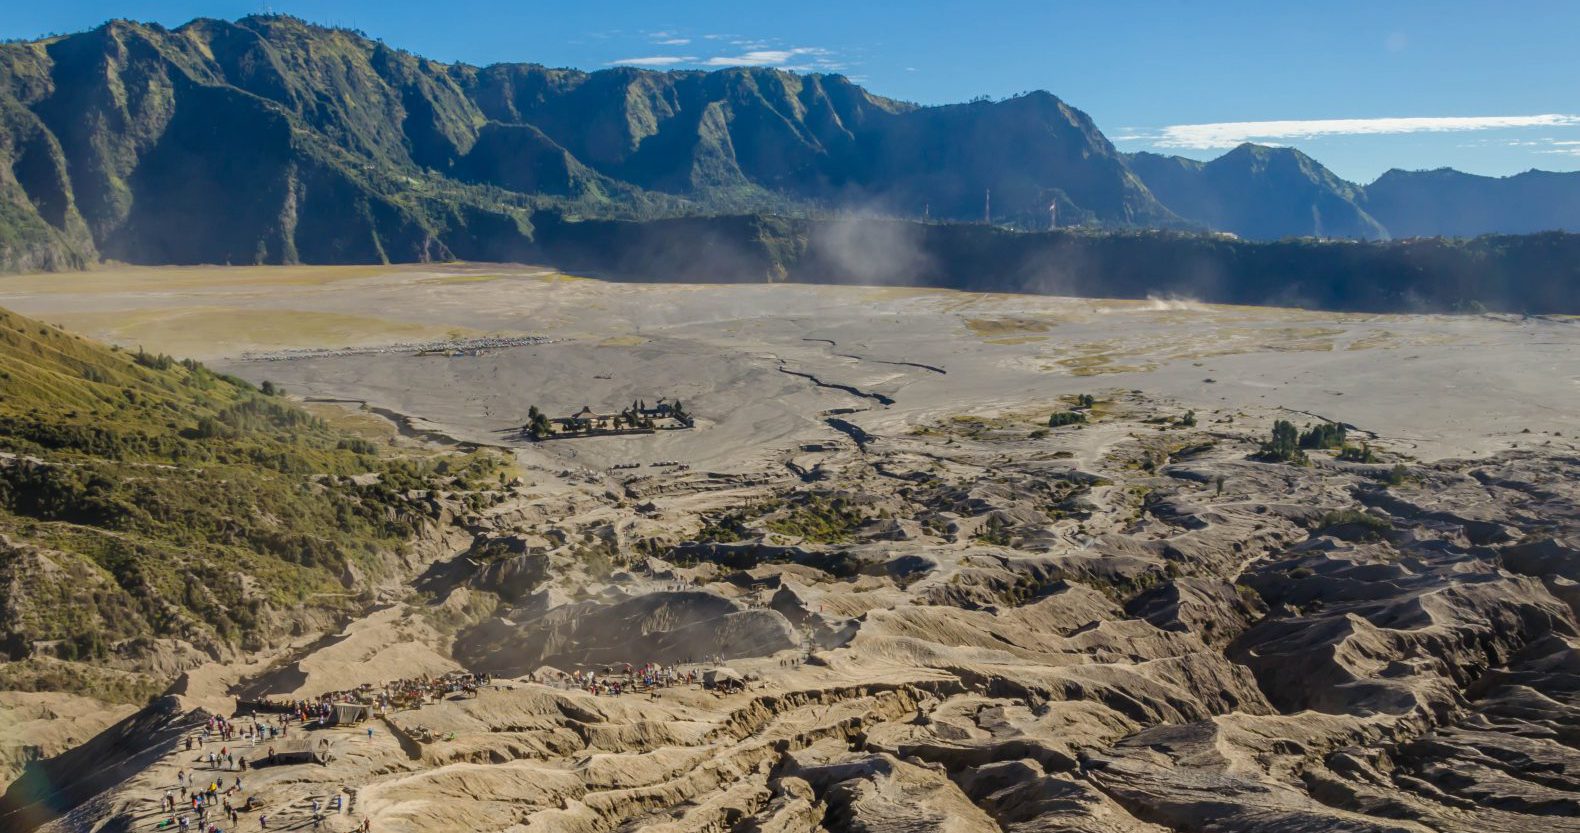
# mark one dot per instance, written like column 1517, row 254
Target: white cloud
column 797, row 59
column 774, row 58
column 654, row 61
column 1229, row 134
column 754, row 58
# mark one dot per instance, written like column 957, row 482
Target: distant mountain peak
column 1260, row 192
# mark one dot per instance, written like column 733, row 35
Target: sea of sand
column 1432, row 386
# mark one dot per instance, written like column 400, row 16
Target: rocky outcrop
column 1216, row 643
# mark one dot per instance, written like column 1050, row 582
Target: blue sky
column 1487, row 87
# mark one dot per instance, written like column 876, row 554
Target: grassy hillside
column 151, row 509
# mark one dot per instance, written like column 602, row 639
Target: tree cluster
column 538, row 425
column 1061, row 418
column 1283, row 446
column 1325, row 435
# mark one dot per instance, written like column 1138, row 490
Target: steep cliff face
column 268, row 140
column 40, row 226
column 216, row 143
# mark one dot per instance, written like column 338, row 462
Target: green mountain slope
column 1261, row 193
column 269, row 140
column 152, row 511
column 1450, row 203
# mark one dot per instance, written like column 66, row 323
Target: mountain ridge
column 272, row 140
column 152, row 133
column 1260, row 192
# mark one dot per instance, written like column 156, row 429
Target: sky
column 1487, row 87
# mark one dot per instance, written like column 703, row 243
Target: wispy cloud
column 1229, row 134
column 655, row 61
column 1564, row 148
column 764, row 57
column 797, row 59
column 750, row 53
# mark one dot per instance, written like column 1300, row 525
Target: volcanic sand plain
column 949, row 614
column 1430, row 385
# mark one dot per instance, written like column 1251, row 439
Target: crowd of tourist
column 393, row 696
column 203, row 804
column 624, row 679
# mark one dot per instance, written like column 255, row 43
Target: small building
column 308, row 750
column 349, row 714
column 636, row 419
column 723, row 679
column 586, row 419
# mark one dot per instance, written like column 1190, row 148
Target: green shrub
column 154, row 362
column 1353, row 517
column 1325, row 435
column 1062, row 418
column 1397, row 476
column 357, row 445
column 994, row 532
column 1363, row 454
column 819, row 518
